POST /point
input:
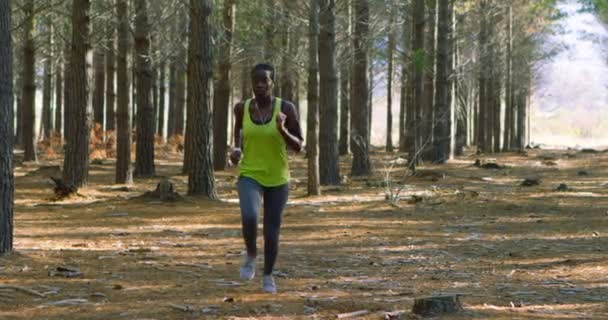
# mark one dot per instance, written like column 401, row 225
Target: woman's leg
column 275, row 199
column 250, row 198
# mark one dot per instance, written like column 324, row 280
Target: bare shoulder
column 288, row 108
column 238, row 108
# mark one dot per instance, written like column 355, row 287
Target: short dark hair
column 264, row 67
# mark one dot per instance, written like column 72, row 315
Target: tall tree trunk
column 360, row 111
column 161, row 100
column 428, row 91
column 154, row 86
column 28, row 91
column 443, row 123
column 496, row 104
column 269, row 31
column 221, row 105
column 245, row 81
column 99, row 81
column 345, row 85
column 7, row 183
column 144, row 152
column 522, row 113
column 201, row 178
column 58, row 100
column 288, row 38
column 370, row 97
column 483, row 80
column 407, row 110
column 416, row 85
column 67, row 73
column 180, row 96
column 329, row 158
column 123, row 110
column 312, row 132
column 47, row 91
column 172, row 99
column 510, row 112
column 58, row 49
column 76, row 163
column 389, row 86
column 110, row 74
column 344, row 109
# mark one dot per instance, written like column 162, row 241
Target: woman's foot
column 268, row 284
column 248, row 268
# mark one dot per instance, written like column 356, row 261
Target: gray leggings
column 275, row 199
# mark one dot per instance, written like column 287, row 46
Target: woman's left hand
column 281, row 118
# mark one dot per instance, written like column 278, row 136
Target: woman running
column 265, row 127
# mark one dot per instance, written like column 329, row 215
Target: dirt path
column 511, row 252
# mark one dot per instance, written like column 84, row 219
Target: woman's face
column 262, row 83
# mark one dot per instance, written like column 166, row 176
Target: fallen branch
column 184, row 308
column 352, row 314
column 22, row 289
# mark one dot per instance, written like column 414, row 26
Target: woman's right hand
column 235, row 156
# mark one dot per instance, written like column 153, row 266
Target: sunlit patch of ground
column 511, row 252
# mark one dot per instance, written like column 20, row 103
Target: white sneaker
column 248, row 268
column 268, row 284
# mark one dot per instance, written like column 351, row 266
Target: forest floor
column 508, row 251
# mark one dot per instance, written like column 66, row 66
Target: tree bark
column 407, row 110
column 144, row 151
column 76, row 163
column 428, row 91
column 201, row 180
column 7, row 183
column 58, row 95
column 483, row 80
column 389, row 86
column 47, row 91
column 110, row 74
column 162, row 88
column 67, row 57
column 416, row 85
column 510, row 112
column 344, row 109
column 345, row 86
column 361, row 164
column 123, row 114
column 180, row 96
column 172, row 102
column 99, row 81
column 28, row 91
column 221, row 103
column 329, row 158
column 443, row 123
column 312, row 132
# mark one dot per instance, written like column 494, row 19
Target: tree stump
column 62, row 190
column 433, row 306
column 165, row 191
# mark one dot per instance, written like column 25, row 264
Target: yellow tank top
column 264, row 150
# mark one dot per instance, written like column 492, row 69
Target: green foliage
column 598, row 6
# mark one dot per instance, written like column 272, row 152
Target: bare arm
column 289, row 127
column 235, row 154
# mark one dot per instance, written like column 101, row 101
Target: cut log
column 434, row 306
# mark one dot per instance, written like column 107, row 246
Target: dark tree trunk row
column 201, row 180
column 7, row 183
column 76, row 162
